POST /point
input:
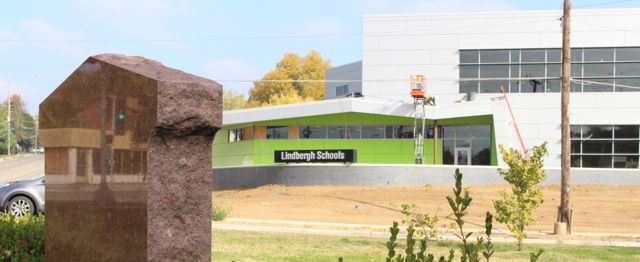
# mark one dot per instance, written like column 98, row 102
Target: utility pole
column 9, row 115
column 564, row 211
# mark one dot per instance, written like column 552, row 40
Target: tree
column 23, row 127
column 232, row 100
column 524, row 175
column 279, row 85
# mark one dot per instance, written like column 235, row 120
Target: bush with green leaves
column 219, row 210
column 525, row 174
column 470, row 252
column 21, row 238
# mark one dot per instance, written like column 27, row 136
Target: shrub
column 219, row 211
column 524, row 175
column 21, row 238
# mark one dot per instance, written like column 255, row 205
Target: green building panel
column 370, row 151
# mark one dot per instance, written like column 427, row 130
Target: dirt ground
column 596, row 208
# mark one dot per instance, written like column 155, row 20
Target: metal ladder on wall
column 419, row 128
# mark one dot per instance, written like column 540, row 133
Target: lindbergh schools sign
column 315, row 156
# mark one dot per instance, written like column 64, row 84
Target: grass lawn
column 230, row 245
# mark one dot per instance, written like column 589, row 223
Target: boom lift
column 418, row 90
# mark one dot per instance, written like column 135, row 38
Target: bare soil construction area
column 596, row 208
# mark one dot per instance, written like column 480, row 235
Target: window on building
column 336, row 132
column 277, row 132
column 605, row 146
column 313, row 132
column 236, row 135
column 611, row 69
column 373, row 132
column 342, row 90
column 476, row 138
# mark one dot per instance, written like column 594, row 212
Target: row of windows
column 361, row 132
column 549, row 55
column 605, row 146
column 598, row 69
column 369, row 132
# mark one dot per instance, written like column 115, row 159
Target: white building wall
column 397, row 46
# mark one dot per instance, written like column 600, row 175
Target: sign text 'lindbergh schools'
column 315, row 156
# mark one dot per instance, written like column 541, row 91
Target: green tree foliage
column 291, row 67
column 232, row 100
column 23, row 125
column 524, row 175
column 21, row 238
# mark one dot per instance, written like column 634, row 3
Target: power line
column 187, row 40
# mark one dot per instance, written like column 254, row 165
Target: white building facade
column 478, row 52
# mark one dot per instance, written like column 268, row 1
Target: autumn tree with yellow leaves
column 279, row 86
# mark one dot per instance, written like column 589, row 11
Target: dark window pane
column 468, row 71
column 598, row 70
column 554, row 86
column 630, row 131
column 353, row 132
column 388, row 132
column 372, row 132
column 463, row 142
column 576, row 70
column 313, row 132
column 554, row 55
column 554, row 70
column 575, row 131
column 277, row 132
column 628, row 69
column 404, row 132
column 462, row 132
column 468, row 87
column 575, row 146
column 514, row 87
column 589, row 132
column 492, row 86
column 598, row 54
column 627, row 84
column 576, row 87
column 468, row 56
column 447, row 152
column 481, row 152
column 576, row 54
column 481, row 131
column 532, row 70
column 532, row 86
column 494, row 71
column 596, row 147
column 336, row 132
column 533, row 55
column 625, row 146
column 628, row 54
column 597, row 85
column 625, row 161
column 515, row 71
column 575, row 161
column 596, row 161
column 494, row 56
column 448, row 133
column 515, row 56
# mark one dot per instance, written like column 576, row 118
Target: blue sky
column 42, row 42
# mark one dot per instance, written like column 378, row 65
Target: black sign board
column 315, row 156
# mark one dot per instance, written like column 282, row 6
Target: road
column 23, row 168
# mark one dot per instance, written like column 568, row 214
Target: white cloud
column 232, row 69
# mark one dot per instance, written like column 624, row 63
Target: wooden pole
column 565, row 199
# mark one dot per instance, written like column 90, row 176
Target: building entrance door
column 462, row 156
column 81, row 165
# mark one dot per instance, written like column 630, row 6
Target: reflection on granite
column 128, row 162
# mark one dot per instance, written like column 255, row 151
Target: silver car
column 20, row 198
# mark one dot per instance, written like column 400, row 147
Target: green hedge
column 21, row 239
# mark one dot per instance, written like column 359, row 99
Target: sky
column 42, row 42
